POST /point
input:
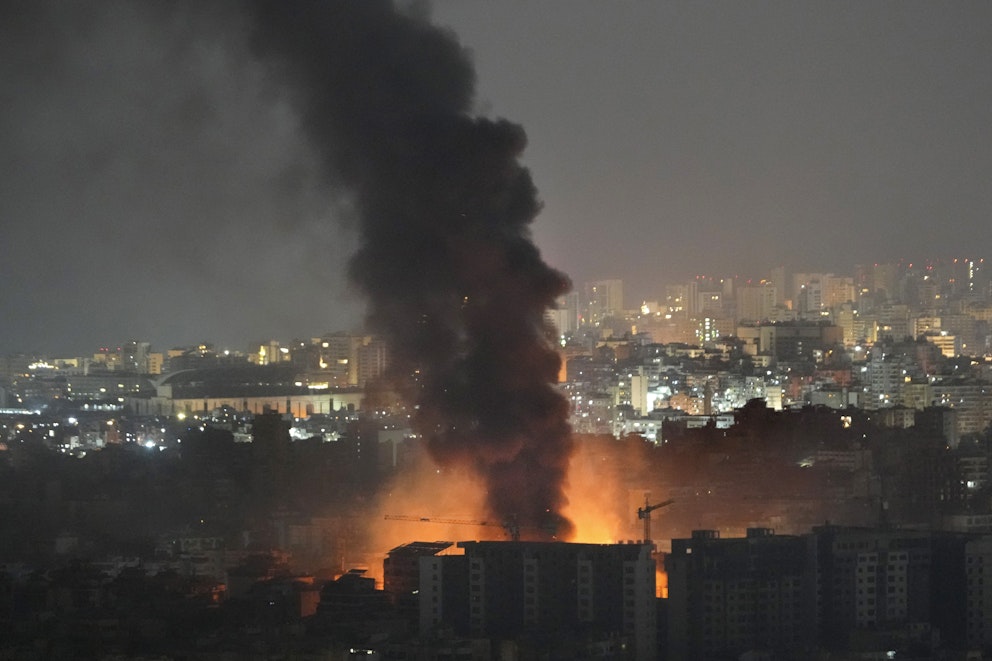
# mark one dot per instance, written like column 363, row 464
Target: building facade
column 558, row 593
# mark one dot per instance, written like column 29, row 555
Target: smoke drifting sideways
column 453, row 280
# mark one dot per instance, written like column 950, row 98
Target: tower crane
column 644, row 513
column 509, row 526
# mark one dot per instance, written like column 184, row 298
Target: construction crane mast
column 644, row 514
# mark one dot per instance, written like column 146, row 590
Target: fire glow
column 428, row 500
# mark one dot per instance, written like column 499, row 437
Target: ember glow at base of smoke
column 424, row 499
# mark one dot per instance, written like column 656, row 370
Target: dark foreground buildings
column 835, row 593
column 562, row 600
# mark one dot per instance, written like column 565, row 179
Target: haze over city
column 702, row 371
column 156, row 184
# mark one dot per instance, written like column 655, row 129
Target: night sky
column 156, row 184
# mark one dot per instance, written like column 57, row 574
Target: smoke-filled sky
column 155, row 184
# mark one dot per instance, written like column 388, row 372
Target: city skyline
column 155, row 187
column 591, row 306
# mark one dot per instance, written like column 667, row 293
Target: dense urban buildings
column 823, row 441
column 573, row 598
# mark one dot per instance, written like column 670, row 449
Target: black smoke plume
column 454, row 281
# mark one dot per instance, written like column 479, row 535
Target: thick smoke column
column 454, row 281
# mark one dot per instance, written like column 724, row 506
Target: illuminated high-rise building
column 134, row 356
column 373, row 358
column 756, row 302
column 964, row 327
column 893, row 321
column 949, row 344
column 604, row 299
column 797, row 340
column 109, row 358
column 682, row 299
column 971, row 399
column 885, row 377
column 837, row 290
column 268, row 353
column 777, row 278
column 711, row 301
column 339, row 357
column 565, row 317
column 710, row 328
column 851, row 324
column 885, row 279
column 154, row 362
column 962, row 278
column 809, row 300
